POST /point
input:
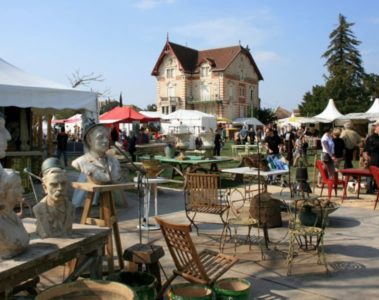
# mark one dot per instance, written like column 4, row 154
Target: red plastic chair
column 328, row 181
column 375, row 173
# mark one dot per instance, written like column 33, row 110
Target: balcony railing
column 210, row 101
column 171, row 100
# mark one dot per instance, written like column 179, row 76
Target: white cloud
column 264, row 57
column 228, row 31
column 150, row 4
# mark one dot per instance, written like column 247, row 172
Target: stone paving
column 351, row 247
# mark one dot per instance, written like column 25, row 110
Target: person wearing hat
column 54, row 213
column 351, row 139
column 99, row 167
column 371, row 153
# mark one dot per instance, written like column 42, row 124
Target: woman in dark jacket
column 217, row 142
column 339, row 147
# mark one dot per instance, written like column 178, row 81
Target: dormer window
column 170, row 73
column 204, row 71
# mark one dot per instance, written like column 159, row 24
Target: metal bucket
column 89, row 290
column 232, row 289
column 142, row 283
column 189, row 291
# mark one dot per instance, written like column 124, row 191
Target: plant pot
column 142, row 283
column 152, row 167
column 189, row 291
column 232, row 289
column 89, row 289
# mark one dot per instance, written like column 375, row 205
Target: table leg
column 359, row 185
column 155, row 187
column 344, row 195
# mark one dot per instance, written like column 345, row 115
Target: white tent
column 329, row 114
column 18, row 88
column 295, row 121
column 248, row 121
column 195, row 120
column 371, row 114
column 374, row 109
column 152, row 114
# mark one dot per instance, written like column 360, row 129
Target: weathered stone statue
column 4, row 137
column 13, row 236
column 99, row 167
column 54, row 213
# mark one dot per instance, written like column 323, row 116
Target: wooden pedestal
column 108, row 217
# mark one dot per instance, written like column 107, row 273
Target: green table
column 191, row 164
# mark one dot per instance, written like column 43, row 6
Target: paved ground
column 351, row 246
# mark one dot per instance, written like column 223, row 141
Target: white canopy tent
column 248, row 121
column 329, row 114
column 21, row 89
column 195, row 120
column 295, row 121
column 152, row 114
column 371, row 114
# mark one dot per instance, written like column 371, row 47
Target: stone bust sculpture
column 99, row 167
column 13, row 236
column 4, row 136
column 54, row 213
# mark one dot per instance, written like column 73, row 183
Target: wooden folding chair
column 204, row 267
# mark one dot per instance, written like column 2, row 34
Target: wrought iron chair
column 306, row 228
column 204, row 267
column 243, row 213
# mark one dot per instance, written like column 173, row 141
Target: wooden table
column 45, row 254
column 355, row 172
column 247, row 148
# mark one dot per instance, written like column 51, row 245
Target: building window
column 170, row 73
column 204, row 93
column 170, row 91
column 230, row 91
column 204, row 71
column 173, row 108
column 241, row 75
column 242, row 92
column 251, row 95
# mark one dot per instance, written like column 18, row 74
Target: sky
column 122, row 40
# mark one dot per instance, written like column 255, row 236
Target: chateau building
column 223, row 81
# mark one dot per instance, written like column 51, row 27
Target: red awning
column 125, row 114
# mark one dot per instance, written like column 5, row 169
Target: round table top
column 286, row 196
column 152, row 180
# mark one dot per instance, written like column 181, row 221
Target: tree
column 343, row 61
column 345, row 81
column 371, row 84
column 265, row 115
column 109, row 105
column 314, row 102
column 151, row 107
column 76, row 79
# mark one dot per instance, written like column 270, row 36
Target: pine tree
column 346, row 73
